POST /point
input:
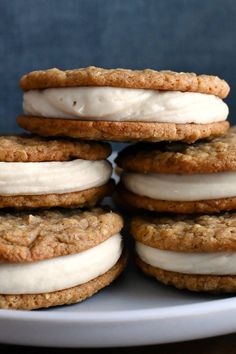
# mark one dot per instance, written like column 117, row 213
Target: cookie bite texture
column 58, row 258
column 180, row 178
column 124, row 105
column 37, row 172
column 190, row 252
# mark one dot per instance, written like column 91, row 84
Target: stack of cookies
column 62, row 255
column 65, row 254
column 194, row 249
column 168, row 171
column 180, row 242
column 51, row 258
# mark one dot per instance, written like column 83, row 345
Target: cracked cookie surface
column 145, row 79
column 204, row 233
column 217, row 155
column 30, row 237
column 27, row 148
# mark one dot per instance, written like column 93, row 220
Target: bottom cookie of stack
column 57, row 258
column 194, row 253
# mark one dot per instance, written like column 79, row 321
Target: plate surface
column 134, row 310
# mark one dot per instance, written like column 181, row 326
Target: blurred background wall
column 182, row 35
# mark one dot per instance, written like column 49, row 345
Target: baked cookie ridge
column 121, row 131
column 146, row 79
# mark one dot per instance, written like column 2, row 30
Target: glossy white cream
column 34, row 178
column 218, row 263
column 61, row 272
column 125, row 104
column 182, row 187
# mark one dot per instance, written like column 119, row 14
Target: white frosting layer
column 29, row 178
column 125, row 104
column 182, row 187
column 61, row 272
column 221, row 263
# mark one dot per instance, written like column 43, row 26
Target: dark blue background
column 185, row 35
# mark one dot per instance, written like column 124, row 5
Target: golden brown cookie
column 27, row 148
column 207, row 156
column 121, row 131
column 187, row 233
column 146, row 79
column 187, row 236
column 83, row 199
column 135, row 201
column 64, row 297
column 30, row 237
column 194, row 282
column 202, row 158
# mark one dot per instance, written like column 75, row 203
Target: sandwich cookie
column 189, row 252
column 180, row 178
column 124, row 105
column 40, row 173
column 52, row 258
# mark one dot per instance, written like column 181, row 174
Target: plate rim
column 211, row 306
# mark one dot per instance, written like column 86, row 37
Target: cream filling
column 125, row 104
column 61, row 272
column 182, row 187
column 31, row 178
column 218, row 263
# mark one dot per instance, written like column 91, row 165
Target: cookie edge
column 192, row 282
column 138, row 79
column 121, row 131
column 208, row 206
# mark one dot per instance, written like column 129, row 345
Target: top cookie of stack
column 124, row 105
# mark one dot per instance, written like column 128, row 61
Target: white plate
column 135, row 310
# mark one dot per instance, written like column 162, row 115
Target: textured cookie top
column 26, row 237
column 16, row 148
column 145, row 79
column 206, row 233
column 217, row 155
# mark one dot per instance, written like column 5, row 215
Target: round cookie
column 72, row 113
column 204, row 156
column 199, row 283
column 33, row 239
column 195, row 176
column 32, row 166
column 204, row 246
column 26, row 237
column 144, row 79
column 186, row 233
column 121, row 131
column 31, row 148
column 83, row 199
